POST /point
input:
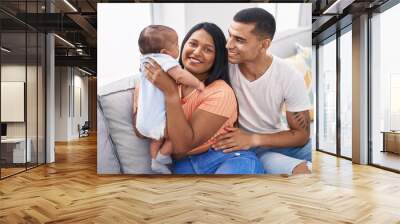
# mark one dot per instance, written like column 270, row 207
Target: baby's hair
column 154, row 38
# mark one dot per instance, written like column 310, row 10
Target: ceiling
column 332, row 15
column 76, row 23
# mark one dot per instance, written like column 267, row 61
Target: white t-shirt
column 260, row 101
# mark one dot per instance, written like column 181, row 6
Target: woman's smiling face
column 198, row 53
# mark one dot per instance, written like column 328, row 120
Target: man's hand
column 236, row 139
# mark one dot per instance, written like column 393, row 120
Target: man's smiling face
column 243, row 44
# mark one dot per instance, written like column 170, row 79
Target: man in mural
column 263, row 83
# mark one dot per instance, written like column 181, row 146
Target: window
column 283, row 11
column 327, row 97
column 346, row 94
column 385, row 89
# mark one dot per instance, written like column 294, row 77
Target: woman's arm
column 184, row 135
column 188, row 135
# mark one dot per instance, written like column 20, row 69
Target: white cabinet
column 18, row 149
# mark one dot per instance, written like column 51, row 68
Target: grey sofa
column 119, row 150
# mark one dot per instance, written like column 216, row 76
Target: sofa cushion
column 302, row 62
column 284, row 43
column 116, row 101
column 107, row 160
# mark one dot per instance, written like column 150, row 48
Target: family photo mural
column 229, row 91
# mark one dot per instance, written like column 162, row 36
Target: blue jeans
column 283, row 160
column 218, row 162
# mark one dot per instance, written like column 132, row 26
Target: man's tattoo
column 302, row 119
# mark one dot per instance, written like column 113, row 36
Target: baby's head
column 159, row 39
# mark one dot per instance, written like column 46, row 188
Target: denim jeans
column 283, row 160
column 218, row 162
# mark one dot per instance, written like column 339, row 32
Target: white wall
column 67, row 80
column 83, row 84
column 79, row 117
column 218, row 13
column 118, row 28
column 172, row 14
column 62, row 81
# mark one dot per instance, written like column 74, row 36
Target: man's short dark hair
column 153, row 38
column 264, row 22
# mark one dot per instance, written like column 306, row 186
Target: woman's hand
column 160, row 79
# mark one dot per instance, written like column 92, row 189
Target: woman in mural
column 195, row 118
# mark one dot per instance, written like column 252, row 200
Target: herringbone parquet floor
column 70, row 191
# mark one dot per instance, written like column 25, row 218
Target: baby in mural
column 159, row 43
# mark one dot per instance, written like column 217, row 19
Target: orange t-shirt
column 217, row 98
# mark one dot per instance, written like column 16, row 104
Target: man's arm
column 298, row 135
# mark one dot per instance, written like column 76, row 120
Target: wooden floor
column 10, row 171
column 70, row 191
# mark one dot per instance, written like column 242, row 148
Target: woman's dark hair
column 219, row 70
